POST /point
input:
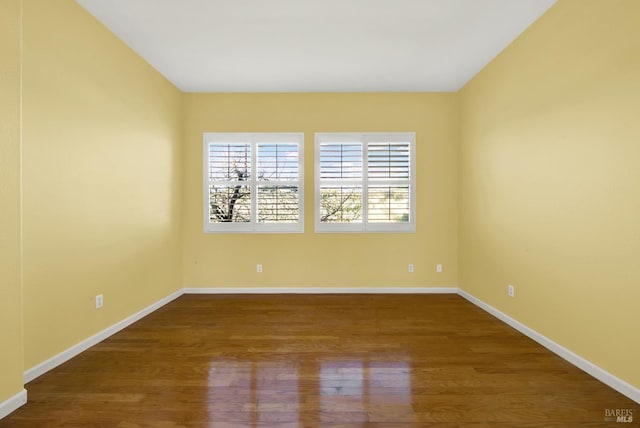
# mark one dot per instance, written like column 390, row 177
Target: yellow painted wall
column 550, row 181
column 102, row 177
column 10, row 258
column 327, row 260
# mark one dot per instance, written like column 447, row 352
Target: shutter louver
column 278, row 165
column 388, row 169
column 341, row 161
column 388, row 161
column 341, row 182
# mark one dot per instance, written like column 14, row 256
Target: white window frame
column 254, row 139
column 365, row 138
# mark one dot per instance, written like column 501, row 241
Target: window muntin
column 365, row 182
column 253, row 182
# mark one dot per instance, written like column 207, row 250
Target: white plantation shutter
column 365, row 182
column 278, row 204
column 389, row 190
column 341, row 182
column 341, row 161
column 253, row 182
column 227, row 159
column 278, row 183
column 229, row 169
column 388, row 161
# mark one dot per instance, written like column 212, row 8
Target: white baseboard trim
column 602, row 375
column 66, row 355
column 13, row 403
column 321, row 290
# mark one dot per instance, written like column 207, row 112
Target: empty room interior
column 362, row 213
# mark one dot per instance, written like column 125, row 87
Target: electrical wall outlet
column 439, row 267
column 99, row 301
column 259, row 268
column 511, row 290
column 410, row 268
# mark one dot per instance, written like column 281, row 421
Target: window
column 365, row 182
column 253, row 182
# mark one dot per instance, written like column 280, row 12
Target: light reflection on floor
column 250, row 393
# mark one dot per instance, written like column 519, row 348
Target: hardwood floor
column 318, row 360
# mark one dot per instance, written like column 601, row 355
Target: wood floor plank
column 318, row 361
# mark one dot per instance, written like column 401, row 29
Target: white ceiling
column 317, row 45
